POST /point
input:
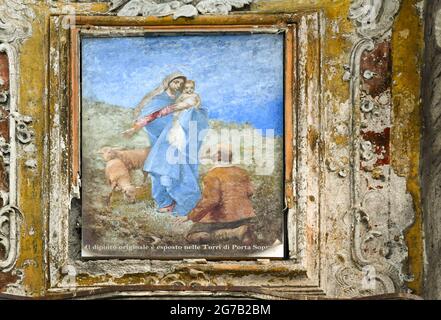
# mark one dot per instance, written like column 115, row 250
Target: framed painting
column 206, row 148
column 188, row 151
column 182, row 150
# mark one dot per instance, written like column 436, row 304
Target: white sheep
column 118, row 177
column 133, row 159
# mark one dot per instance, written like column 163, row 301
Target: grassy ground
column 137, row 229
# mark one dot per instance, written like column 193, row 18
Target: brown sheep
column 118, row 177
column 133, row 159
column 107, row 153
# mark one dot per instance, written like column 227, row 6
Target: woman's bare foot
column 168, row 208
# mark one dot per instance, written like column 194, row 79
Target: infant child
column 188, row 99
column 176, row 136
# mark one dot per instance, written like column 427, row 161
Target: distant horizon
column 90, row 100
column 239, row 77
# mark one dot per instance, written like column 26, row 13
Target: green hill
column 135, row 224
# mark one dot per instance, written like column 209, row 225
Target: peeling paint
column 396, row 155
column 406, row 133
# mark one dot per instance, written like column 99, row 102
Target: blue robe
column 176, row 181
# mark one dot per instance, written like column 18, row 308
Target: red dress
column 153, row 116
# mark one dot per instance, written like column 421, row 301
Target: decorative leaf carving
column 371, row 269
column 15, row 21
column 177, row 8
column 373, row 17
column 16, row 18
column 185, row 11
column 9, row 236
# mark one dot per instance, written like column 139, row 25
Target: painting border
column 300, row 274
column 247, row 30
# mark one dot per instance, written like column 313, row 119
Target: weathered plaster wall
column 431, row 166
column 407, row 63
column 340, row 277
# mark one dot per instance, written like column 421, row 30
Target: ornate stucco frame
column 299, row 274
column 18, row 140
column 356, row 99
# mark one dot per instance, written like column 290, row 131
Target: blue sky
column 239, row 77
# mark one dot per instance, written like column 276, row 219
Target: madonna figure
column 172, row 163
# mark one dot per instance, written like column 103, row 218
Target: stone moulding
column 15, row 27
column 299, row 274
column 380, row 272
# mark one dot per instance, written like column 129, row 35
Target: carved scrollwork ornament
column 176, row 8
column 367, row 151
column 337, row 166
column 373, row 17
column 15, row 21
column 367, row 106
column 10, row 217
column 16, row 18
column 24, row 133
column 4, row 99
column 368, row 271
column 5, row 151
